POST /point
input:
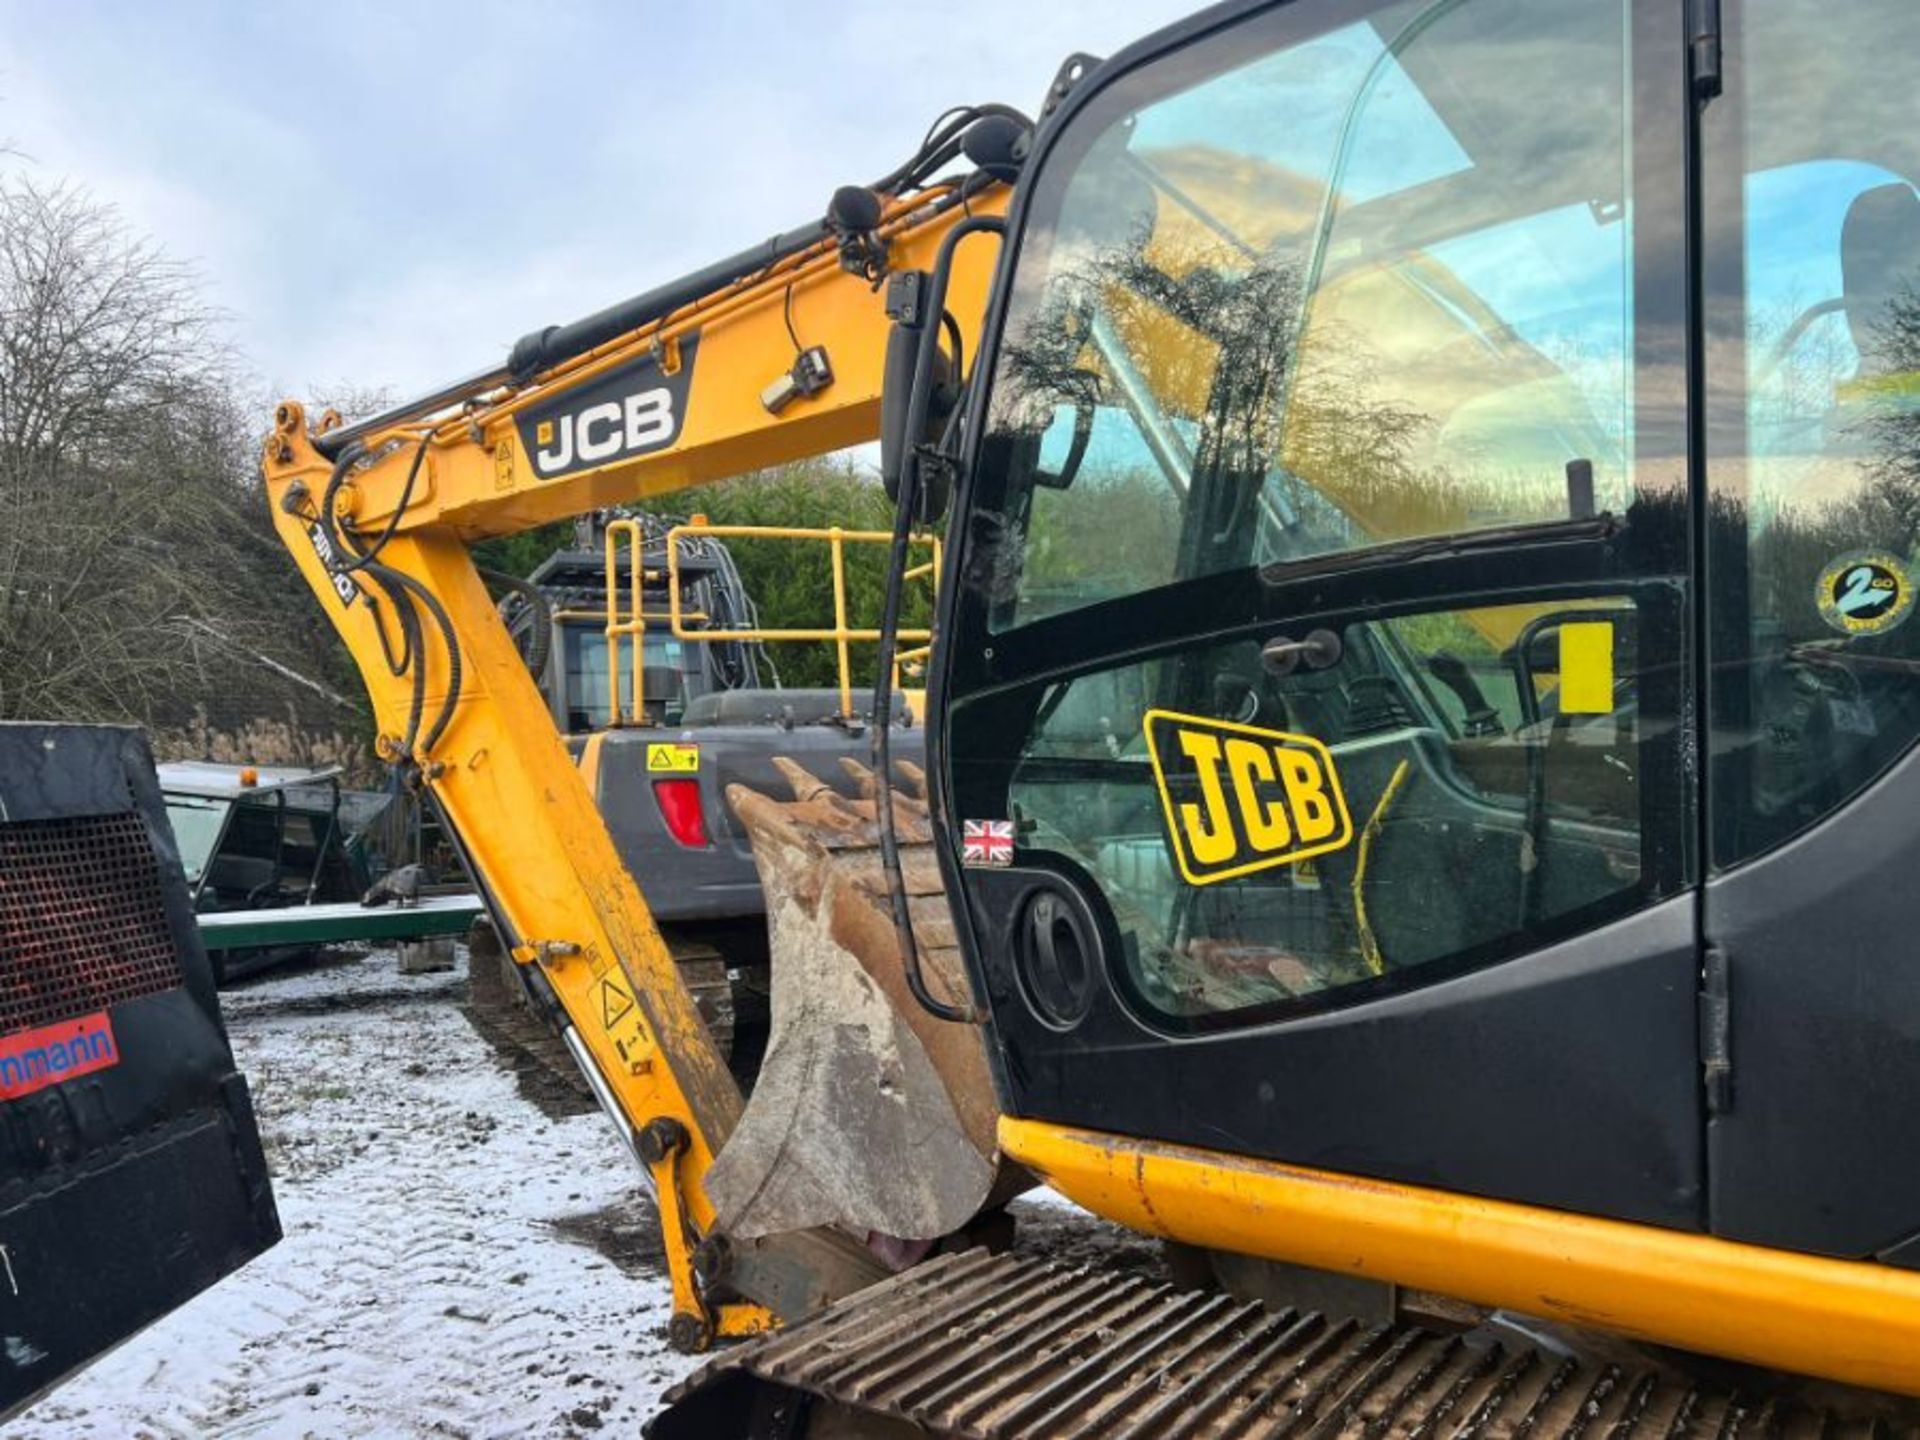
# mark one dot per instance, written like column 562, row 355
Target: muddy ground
column 467, row 1252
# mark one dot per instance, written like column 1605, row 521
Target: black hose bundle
column 539, row 651
column 402, row 592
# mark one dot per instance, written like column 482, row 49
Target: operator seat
column 1879, row 262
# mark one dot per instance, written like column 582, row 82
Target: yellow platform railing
column 628, row 621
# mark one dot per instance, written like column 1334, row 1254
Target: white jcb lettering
column 606, row 446
column 343, row 585
column 614, row 427
column 560, row 455
column 649, row 418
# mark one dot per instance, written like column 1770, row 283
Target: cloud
column 389, row 195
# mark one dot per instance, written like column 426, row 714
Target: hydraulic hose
column 413, row 588
column 545, row 348
column 919, row 400
column 346, row 460
column 412, row 651
column 540, row 642
column 882, row 721
column 402, row 591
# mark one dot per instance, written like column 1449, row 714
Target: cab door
column 1322, row 614
column 1811, row 282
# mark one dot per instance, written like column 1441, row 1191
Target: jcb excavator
column 1420, row 786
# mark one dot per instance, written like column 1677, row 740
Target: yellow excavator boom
column 678, row 400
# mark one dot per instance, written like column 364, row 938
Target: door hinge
column 1716, row 1031
column 1705, row 60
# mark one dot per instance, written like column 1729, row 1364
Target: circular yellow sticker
column 1866, row 592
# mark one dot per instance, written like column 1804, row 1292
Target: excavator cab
column 1454, row 719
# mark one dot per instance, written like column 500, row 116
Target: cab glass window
column 589, row 690
column 197, row 824
column 1461, row 785
column 1813, row 323
column 1372, row 287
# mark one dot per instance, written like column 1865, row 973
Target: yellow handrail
column 842, row 634
column 629, row 621
column 634, row 624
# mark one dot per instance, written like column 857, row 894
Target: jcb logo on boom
column 642, row 421
column 1239, row 799
column 633, row 409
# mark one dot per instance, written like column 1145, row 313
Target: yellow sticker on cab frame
column 1586, row 668
column 1238, row 798
column 672, row 758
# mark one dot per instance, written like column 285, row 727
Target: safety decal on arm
column 616, row 1009
column 1238, row 798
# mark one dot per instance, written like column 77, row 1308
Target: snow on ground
column 442, row 1272
column 459, row 1261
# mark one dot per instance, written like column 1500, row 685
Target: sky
column 389, row 195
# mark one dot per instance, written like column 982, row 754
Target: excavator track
column 989, row 1347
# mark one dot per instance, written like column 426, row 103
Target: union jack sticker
column 986, row 842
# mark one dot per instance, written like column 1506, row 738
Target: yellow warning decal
column 615, row 1002
column 673, row 759
column 1239, row 799
column 1586, row 668
column 612, row 999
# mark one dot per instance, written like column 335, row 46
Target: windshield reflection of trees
column 1300, row 436
column 1832, row 469
column 1850, row 479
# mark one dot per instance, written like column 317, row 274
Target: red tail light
column 679, row 802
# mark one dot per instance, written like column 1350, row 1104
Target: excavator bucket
column 131, row 1174
column 869, row 1114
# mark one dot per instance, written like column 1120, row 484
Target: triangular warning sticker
column 614, row 1003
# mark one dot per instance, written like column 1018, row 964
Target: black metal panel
column 58, row 771
column 1567, row 1078
column 1906, row 1254
column 133, row 1180
column 115, row 1243
column 1820, row 1150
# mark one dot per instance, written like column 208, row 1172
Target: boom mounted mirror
column 920, row 385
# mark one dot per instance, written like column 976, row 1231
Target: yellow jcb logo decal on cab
column 1239, row 798
column 673, row 759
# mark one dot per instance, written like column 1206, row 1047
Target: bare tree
column 138, row 571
